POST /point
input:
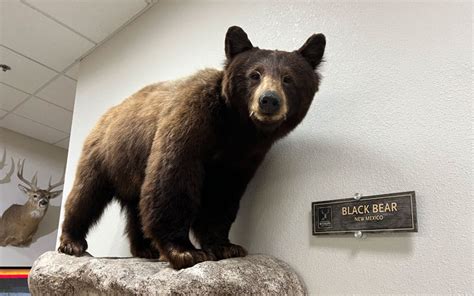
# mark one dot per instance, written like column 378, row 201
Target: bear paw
column 187, row 258
column 227, row 251
column 72, row 247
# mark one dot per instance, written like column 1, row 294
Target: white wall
column 393, row 114
column 48, row 160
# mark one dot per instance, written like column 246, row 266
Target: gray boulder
column 58, row 274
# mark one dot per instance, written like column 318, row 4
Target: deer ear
column 313, row 49
column 54, row 194
column 236, row 41
column 23, row 188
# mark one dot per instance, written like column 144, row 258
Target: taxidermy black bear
column 178, row 155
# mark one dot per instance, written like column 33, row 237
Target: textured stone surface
column 58, row 274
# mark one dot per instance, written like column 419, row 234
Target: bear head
column 271, row 89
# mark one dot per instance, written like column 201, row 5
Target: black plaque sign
column 377, row 213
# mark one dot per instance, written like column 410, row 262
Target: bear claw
column 227, row 251
column 188, row 258
column 73, row 247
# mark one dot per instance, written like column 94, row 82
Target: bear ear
column 236, row 41
column 313, row 49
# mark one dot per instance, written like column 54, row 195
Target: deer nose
column 43, row 202
column 269, row 102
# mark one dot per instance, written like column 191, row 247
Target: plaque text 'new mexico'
column 377, row 213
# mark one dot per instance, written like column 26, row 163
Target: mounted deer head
column 36, row 196
column 19, row 223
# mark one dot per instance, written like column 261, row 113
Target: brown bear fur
column 178, row 155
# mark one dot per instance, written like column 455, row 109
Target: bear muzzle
column 269, row 103
column 268, row 107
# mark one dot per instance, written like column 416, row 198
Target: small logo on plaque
column 325, row 217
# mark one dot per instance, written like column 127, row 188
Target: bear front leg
column 223, row 188
column 213, row 235
column 169, row 201
column 220, row 203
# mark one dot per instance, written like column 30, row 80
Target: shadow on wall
column 399, row 243
column 305, row 169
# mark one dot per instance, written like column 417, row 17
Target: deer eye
column 255, row 75
column 35, row 195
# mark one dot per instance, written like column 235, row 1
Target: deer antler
column 33, row 184
column 60, row 182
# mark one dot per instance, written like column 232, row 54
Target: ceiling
column 43, row 41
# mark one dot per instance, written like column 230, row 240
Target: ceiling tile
column 46, row 113
column 63, row 144
column 31, row 33
column 10, row 97
column 61, row 91
column 2, row 113
column 73, row 72
column 30, row 128
column 24, row 74
column 94, row 19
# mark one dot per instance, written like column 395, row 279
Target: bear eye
column 287, row 79
column 255, row 75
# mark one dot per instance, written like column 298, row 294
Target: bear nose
column 269, row 102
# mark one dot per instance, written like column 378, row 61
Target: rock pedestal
column 58, row 274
